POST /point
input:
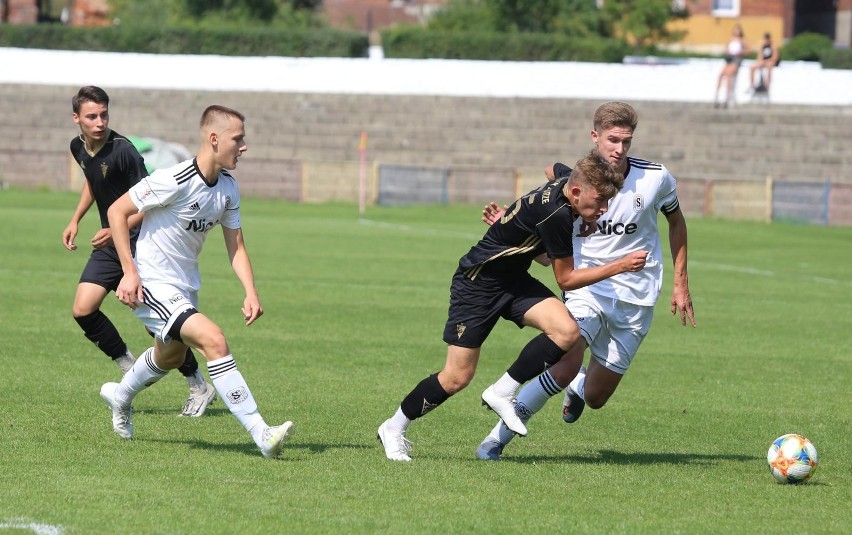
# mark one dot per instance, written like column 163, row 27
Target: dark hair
column 89, row 93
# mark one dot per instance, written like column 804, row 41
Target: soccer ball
column 792, row 459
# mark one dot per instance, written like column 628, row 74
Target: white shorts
column 612, row 329
column 162, row 304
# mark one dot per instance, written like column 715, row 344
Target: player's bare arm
column 569, row 278
column 129, row 290
column 103, row 237
column 681, row 302
column 86, row 201
column 241, row 263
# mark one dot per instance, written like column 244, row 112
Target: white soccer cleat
column 397, row 447
column 120, row 415
column 197, row 403
column 274, row 438
column 505, row 409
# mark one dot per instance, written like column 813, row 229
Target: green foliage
column 221, row 40
column 536, row 16
column 807, row 46
column 413, row 42
column 464, row 16
column 836, row 58
column 217, row 13
column 643, row 22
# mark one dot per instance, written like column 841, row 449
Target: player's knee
column 212, row 344
column 565, row 336
column 454, row 381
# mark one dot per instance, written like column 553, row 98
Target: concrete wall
column 752, row 142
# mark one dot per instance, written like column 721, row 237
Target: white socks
column 578, row 385
column 140, row 376
column 399, row 421
column 506, row 386
column 196, row 382
column 234, row 391
column 530, row 400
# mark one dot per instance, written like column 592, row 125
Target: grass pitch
column 354, row 314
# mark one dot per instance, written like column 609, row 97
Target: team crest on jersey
column 460, row 328
column 227, row 202
column 638, row 203
column 142, row 195
column 104, row 168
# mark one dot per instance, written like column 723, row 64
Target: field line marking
column 35, row 527
column 765, row 273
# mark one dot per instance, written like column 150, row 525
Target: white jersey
column 630, row 224
column 180, row 209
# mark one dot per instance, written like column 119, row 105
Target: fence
column 821, row 203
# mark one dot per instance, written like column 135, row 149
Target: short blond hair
column 216, row 112
column 592, row 170
column 615, row 114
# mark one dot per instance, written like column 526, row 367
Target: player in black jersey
column 111, row 165
column 493, row 281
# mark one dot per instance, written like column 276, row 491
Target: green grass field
column 354, row 315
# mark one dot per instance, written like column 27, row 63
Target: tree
column 644, row 23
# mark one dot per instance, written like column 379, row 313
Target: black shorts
column 104, row 268
column 475, row 306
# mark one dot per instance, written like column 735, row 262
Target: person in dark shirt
column 111, row 165
column 493, row 281
column 767, row 58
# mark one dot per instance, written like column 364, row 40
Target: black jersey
column 110, row 171
column 539, row 222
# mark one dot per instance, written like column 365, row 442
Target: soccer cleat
column 274, row 438
column 198, row 401
column 572, row 406
column 505, row 409
column 490, row 450
column 120, row 415
column 397, row 447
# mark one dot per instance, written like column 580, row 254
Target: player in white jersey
column 614, row 314
column 181, row 205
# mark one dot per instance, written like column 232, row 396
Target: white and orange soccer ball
column 792, row 459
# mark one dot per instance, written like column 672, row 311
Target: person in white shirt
column 614, row 314
column 181, row 205
column 734, row 52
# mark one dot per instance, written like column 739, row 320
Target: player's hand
column 492, row 213
column 682, row 302
column 68, row 236
column 102, row 238
column 252, row 309
column 129, row 290
column 635, row 261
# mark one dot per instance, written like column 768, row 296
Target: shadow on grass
column 618, row 457
column 248, row 448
